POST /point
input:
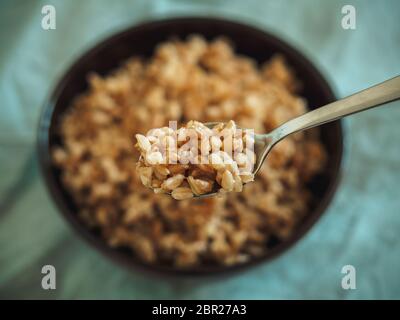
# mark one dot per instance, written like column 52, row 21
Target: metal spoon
column 372, row 97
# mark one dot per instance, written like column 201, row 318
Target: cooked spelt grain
column 173, row 182
column 182, row 193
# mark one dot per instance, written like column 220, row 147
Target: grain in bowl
column 186, row 80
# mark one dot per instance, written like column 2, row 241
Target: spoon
column 372, row 97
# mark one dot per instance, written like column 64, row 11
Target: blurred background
column 361, row 227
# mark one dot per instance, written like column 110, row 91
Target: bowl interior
column 141, row 40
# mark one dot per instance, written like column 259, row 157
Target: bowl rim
column 129, row 261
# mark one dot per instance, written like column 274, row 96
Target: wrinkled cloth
column 360, row 228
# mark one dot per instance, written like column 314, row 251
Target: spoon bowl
column 263, row 144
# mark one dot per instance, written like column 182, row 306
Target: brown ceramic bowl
column 141, row 40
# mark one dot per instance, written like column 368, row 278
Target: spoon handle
column 372, row 97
